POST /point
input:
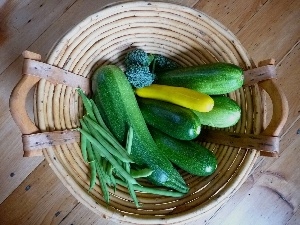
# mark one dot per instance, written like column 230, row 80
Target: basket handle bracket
column 33, row 71
column 267, row 142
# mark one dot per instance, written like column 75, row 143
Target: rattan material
column 189, row 37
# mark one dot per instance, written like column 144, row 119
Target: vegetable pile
column 141, row 122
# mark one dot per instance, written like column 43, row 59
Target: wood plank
column 269, row 25
column 82, row 215
column 43, row 199
column 288, row 78
column 295, row 219
column 40, row 199
column 272, row 32
column 22, row 22
column 234, row 14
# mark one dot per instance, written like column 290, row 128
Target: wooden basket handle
column 33, row 71
column 18, row 97
column 17, row 102
column 280, row 108
column 279, row 102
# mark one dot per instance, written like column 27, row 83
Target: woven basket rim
column 59, row 56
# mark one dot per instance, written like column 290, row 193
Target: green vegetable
column 161, row 63
column 187, row 155
column 92, row 163
column 118, row 106
column 106, row 153
column 225, row 113
column 139, row 76
column 211, row 79
column 106, row 156
column 151, row 190
column 83, row 145
column 127, row 167
column 138, row 57
column 102, row 178
column 137, row 71
column 108, row 141
column 176, row 121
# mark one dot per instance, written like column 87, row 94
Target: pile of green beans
column 108, row 160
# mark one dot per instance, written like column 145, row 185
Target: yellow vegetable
column 178, row 95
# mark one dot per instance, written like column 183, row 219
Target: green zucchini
column 176, row 121
column 188, row 155
column 116, row 101
column 212, row 79
column 225, row 113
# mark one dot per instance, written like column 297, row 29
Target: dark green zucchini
column 176, row 121
column 212, row 79
column 188, row 155
column 116, row 101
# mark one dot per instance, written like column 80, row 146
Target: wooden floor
column 30, row 193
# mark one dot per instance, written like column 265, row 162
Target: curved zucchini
column 117, row 103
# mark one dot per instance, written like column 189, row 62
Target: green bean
column 87, row 104
column 132, row 194
column 121, row 154
column 109, row 157
column 155, row 191
column 107, row 139
column 83, row 124
column 98, row 116
column 130, row 187
column 114, row 183
column 127, row 167
column 92, row 163
column 110, row 176
column 102, row 178
column 104, row 163
column 100, row 160
column 83, row 147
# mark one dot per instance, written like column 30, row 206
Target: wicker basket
column 190, row 37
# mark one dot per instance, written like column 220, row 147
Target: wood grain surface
column 30, row 193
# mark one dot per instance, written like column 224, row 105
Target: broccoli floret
column 161, row 63
column 138, row 57
column 139, row 76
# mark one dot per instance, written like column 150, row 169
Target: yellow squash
column 178, row 95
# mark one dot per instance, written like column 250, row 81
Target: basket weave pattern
column 185, row 35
